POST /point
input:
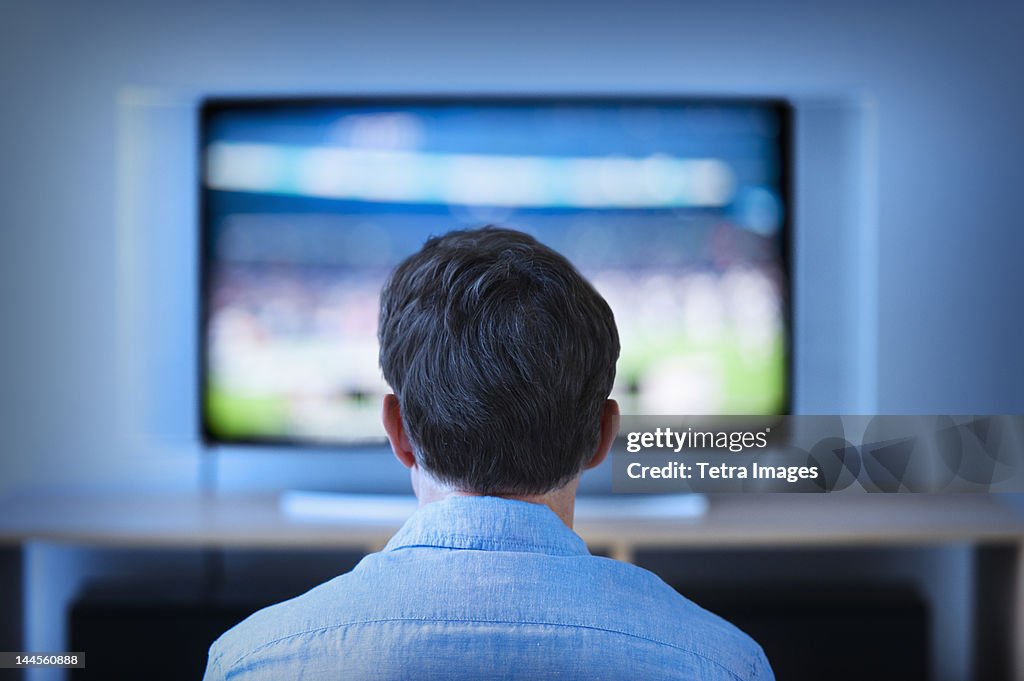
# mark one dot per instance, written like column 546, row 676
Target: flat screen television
column 676, row 209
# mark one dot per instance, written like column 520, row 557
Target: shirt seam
column 318, row 630
column 483, row 540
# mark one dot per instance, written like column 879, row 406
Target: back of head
column 501, row 356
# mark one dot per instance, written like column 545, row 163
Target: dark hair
column 502, row 356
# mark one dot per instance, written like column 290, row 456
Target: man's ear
column 609, row 429
column 391, row 416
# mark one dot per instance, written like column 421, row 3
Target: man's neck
column 561, row 501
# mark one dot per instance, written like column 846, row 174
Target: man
column 501, row 357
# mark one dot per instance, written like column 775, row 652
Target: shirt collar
column 488, row 524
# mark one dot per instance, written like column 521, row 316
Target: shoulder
column 657, row 611
column 293, row 619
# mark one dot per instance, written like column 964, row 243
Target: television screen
column 675, row 209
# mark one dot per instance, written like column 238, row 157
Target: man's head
column 501, row 356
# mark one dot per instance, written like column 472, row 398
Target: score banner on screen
column 889, row 454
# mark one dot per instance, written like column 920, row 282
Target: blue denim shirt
column 487, row 588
